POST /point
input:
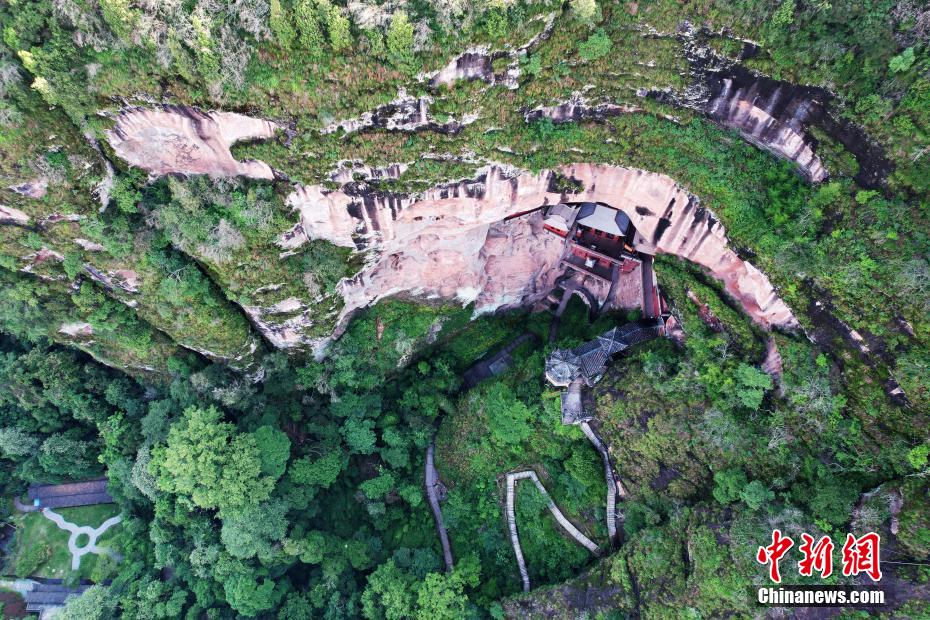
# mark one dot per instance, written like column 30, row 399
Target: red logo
column 860, row 555
column 773, row 553
column 817, row 557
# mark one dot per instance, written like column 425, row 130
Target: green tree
column 309, row 28
column 253, row 530
column 784, row 15
column 495, row 22
column 359, row 435
column 321, row 471
column 902, row 62
column 206, row 461
column 389, row 594
column 282, row 28
column 728, row 484
column 441, row 597
column 62, row 457
column 377, row 488
column 586, row 11
column 400, row 42
column 274, row 449
column 756, row 495
column 753, row 383
column 337, row 26
column 508, row 418
column 917, row 456
column 16, row 444
column 119, row 17
column 94, row 604
column 249, row 596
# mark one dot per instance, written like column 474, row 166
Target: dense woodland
column 262, row 483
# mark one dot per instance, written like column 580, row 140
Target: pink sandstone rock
column 185, row 140
column 786, row 139
column 76, row 330
column 88, row 245
column 36, row 188
column 451, row 241
column 772, row 364
column 9, row 215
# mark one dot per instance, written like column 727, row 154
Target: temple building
column 602, row 250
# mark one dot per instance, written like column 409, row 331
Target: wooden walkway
column 566, row 525
column 614, row 486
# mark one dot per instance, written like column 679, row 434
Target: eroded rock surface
column 769, row 122
column 76, row 330
column 774, row 115
column 348, row 171
column 481, row 240
column 477, row 63
column 406, row 114
column 9, row 215
column 577, row 108
column 125, row 280
column 36, row 188
column 185, row 140
column 88, row 245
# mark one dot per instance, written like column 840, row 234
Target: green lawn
column 35, row 529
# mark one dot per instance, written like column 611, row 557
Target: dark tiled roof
column 588, row 359
column 70, row 494
column 603, row 218
column 51, row 594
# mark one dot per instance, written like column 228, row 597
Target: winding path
column 614, row 486
column 76, row 530
column 433, row 485
column 562, row 520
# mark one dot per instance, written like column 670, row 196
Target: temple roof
column 561, row 216
column 588, row 360
column 603, row 218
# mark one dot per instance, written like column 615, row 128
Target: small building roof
column 587, row 360
column 603, row 218
column 70, row 494
column 561, row 216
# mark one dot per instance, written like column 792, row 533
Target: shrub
column 902, row 62
column 586, row 11
column 31, row 558
column 597, row 46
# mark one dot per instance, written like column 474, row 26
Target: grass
column 35, row 529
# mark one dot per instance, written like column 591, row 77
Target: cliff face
column 772, row 114
column 479, row 240
column 454, row 241
column 185, row 140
